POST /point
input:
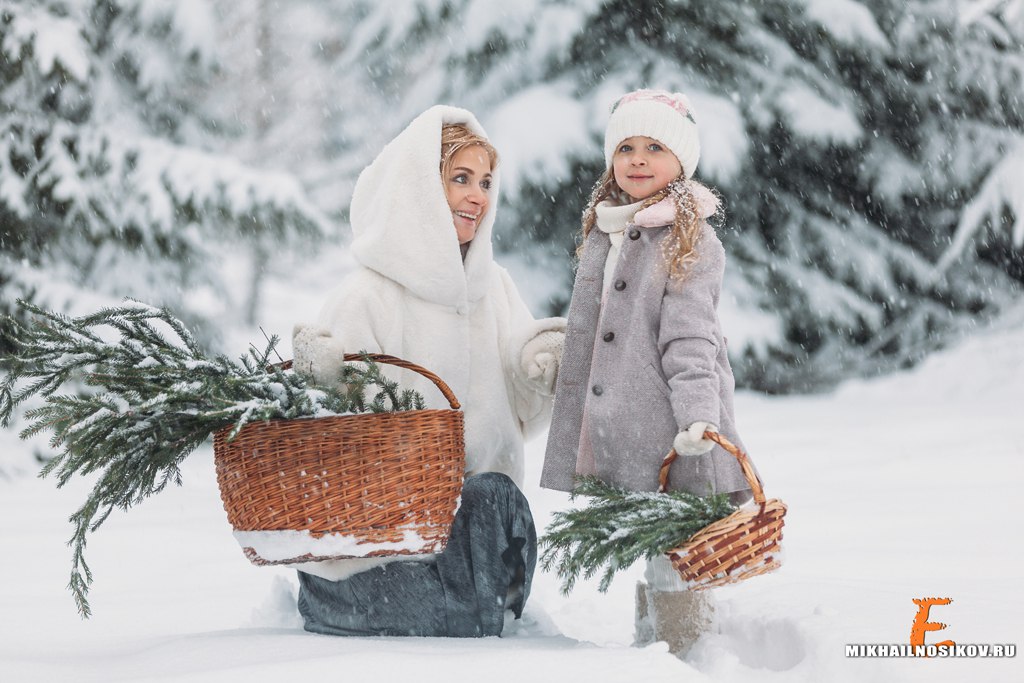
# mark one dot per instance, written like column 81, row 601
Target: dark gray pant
column 485, row 569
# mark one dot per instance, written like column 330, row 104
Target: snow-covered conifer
column 846, row 137
column 111, row 182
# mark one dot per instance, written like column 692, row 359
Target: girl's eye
column 626, row 148
column 654, row 147
column 486, row 184
column 462, row 179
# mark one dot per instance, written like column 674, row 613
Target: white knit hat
column 664, row 116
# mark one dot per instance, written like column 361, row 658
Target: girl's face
column 468, row 188
column 643, row 166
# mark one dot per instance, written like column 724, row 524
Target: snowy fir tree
column 290, row 99
column 278, row 96
column 112, row 178
column 847, row 138
column 993, row 220
column 866, row 150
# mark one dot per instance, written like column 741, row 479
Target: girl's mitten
column 691, row 440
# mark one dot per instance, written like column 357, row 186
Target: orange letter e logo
column 922, row 625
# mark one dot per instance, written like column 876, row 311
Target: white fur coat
column 412, row 296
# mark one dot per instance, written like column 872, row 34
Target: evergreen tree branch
column 618, row 527
column 153, row 398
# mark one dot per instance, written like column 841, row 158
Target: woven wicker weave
column 742, row 545
column 370, row 477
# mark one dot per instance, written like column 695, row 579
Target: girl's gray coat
column 652, row 365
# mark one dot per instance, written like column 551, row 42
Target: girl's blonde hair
column 456, row 137
column 680, row 248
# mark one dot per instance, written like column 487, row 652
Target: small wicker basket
column 371, row 481
column 742, row 545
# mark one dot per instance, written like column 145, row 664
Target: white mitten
column 691, row 440
column 317, row 354
column 540, row 358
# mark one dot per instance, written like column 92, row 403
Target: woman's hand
column 691, row 440
column 317, row 354
column 540, row 359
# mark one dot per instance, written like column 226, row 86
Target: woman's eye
column 461, row 179
column 486, row 184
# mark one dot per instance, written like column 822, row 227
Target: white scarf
column 612, row 220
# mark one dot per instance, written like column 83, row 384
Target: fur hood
column 402, row 223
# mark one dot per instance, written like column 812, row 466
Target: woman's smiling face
column 643, row 166
column 468, row 188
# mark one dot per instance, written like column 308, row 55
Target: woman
column 427, row 289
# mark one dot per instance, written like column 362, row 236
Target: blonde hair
column 680, row 248
column 454, row 138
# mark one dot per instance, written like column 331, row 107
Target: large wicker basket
column 742, row 545
column 367, row 485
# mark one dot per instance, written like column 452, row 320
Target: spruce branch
column 154, row 398
column 618, row 527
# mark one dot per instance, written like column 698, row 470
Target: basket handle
column 396, row 361
column 748, row 469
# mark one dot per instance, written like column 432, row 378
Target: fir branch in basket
column 159, row 397
column 389, row 397
column 618, row 527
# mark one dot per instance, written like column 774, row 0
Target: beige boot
column 644, row 627
column 677, row 617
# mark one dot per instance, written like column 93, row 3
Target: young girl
column 644, row 368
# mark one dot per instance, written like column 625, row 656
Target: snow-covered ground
column 899, row 488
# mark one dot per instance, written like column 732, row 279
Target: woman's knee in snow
column 486, row 487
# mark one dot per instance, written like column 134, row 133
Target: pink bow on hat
column 677, row 101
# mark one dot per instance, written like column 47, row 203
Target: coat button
column 620, row 285
column 597, row 390
column 609, row 336
column 634, row 234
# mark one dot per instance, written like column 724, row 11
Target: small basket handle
column 748, row 469
column 396, row 361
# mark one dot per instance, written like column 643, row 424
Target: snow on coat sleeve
column 531, row 403
column 690, row 335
